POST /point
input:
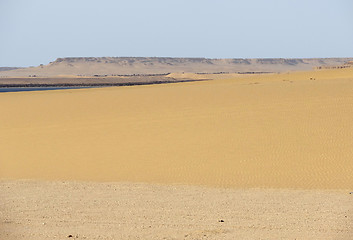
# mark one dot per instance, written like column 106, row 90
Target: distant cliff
column 111, row 66
column 348, row 64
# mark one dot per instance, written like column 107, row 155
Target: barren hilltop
column 111, row 66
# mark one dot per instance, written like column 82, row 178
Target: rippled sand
column 277, row 131
column 278, row 149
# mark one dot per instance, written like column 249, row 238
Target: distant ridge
column 9, row 68
column 111, row 66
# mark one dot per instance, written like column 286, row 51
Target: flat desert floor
column 238, row 157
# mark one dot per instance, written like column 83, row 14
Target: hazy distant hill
column 89, row 66
column 8, row 68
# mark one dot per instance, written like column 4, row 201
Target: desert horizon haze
column 115, row 66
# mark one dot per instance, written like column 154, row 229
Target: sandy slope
column 260, row 136
column 283, row 131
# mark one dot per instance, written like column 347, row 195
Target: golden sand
column 291, row 130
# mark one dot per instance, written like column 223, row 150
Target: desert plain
column 236, row 156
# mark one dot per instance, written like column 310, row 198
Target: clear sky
column 39, row 31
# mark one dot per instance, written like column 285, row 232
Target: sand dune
column 118, row 163
column 277, row 131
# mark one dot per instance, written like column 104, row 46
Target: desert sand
column 35, row 210
column 270, row 155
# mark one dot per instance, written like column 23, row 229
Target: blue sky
column 39, row 31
